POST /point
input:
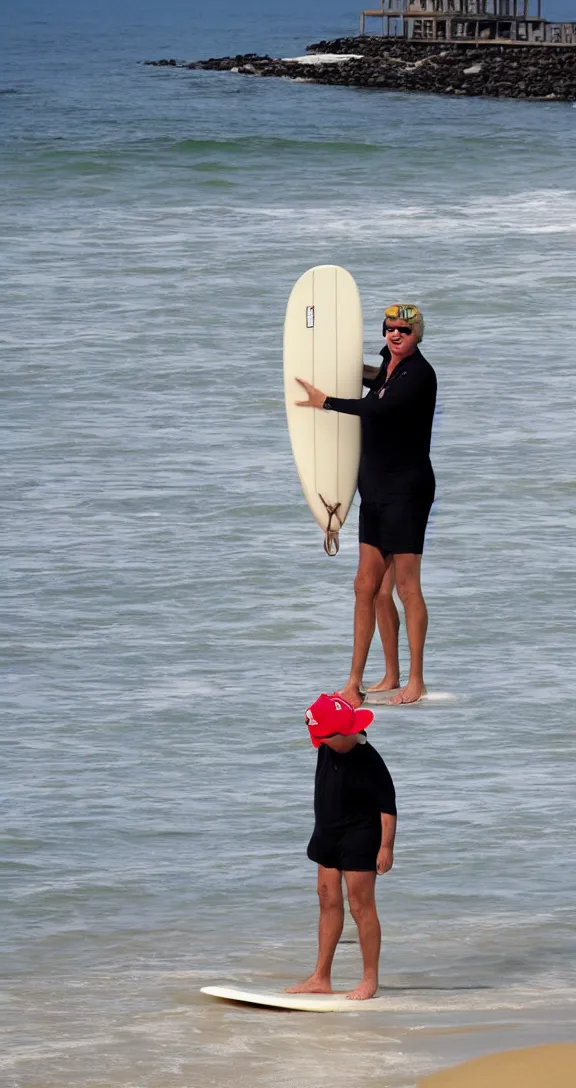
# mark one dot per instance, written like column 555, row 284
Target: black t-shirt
column 353, row 789
column 396, row 417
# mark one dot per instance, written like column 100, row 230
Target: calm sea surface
column 168, row 610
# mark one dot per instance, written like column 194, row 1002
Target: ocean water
column 168, row 610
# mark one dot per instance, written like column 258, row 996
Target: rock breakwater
column 490, row 69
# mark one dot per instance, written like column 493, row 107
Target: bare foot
column 312, row 985
column 412, row 693
column 389, row 683
column 364, row 991
column 352, row 694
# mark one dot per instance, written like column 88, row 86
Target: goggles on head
column 402, row 313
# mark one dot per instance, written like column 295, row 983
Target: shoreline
column 495, row 70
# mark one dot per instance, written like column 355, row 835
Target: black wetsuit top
column 351, row 790
column 396, row 417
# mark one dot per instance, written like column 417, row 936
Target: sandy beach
column 532, row 1067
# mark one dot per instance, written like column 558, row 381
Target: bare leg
column 371, row 570
column 389, row 626
column 407, row 568
column 329, row 932
column 363, row 907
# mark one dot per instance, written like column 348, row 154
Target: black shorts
column 355, row 849
column 397, row 525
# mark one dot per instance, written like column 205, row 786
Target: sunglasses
column 404, row 329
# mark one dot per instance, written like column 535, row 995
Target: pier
column 517, row 21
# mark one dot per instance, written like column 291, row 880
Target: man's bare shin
column 371, row 570
column 364, row 625
column 370, row 940
column 388, row 628
column 416, row 629
column 409, row 590
column 330, row 925
column 363, row 908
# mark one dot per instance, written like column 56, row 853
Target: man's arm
column 400, row 396
column 385, row 859
column 386, row 795
column 414, row 384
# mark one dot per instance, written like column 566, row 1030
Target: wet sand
column 552, row 1066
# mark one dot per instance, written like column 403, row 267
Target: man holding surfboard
column 396, row 485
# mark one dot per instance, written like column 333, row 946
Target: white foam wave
column 324, row 58
column 542, row 212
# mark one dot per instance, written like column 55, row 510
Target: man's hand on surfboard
column 315, row 397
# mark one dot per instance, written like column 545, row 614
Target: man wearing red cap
column 355, row 826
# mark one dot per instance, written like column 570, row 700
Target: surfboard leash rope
column 331, row 541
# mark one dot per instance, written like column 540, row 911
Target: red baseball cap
column 332, row 714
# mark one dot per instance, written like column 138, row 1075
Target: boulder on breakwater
column 499, row 70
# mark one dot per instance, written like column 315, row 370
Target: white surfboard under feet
column 431, row 698
column 323, row 345
column 298, row 1002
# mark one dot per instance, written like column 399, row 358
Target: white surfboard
column 323, row 345
column 297, row 1002
column 432, row 698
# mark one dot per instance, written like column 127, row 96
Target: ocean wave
column 275, row 143
column 261, row 152
column 546, row 211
